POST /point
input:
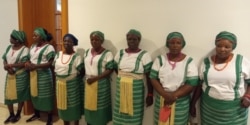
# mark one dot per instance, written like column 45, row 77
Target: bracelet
column 247, row 96
column 150, row 94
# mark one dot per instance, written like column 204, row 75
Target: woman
column 173, row 76
column 17, row 80
column 99, row 65
column 224, row 90
column 132, row 64
column 69, row 72
column 41, row 82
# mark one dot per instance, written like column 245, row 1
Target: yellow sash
column 61, row 94
column 11, row 91
column 170, row 121
column 126, row 95
column 91, row 91
column 33, row 83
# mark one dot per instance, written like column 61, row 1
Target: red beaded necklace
column 227, row 61
column 67, row 60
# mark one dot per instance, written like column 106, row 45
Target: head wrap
column 227, row 35
column 97, row 33
column 134, row 32
column 75, row 40
column 19, row 35
column 175, row 35
column 40, row 31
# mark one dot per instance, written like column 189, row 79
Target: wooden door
column 42, row 13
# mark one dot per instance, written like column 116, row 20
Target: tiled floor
column 4, row 113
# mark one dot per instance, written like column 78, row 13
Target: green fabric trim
column 186, row 66
column 120, row 58
column 86, row 53
column 100, row 62
column 207, row 66
column 238, row 69
column 19, row 55
column 154, row 74
column 147, row 67
column 138, row 60
column 110, row 65
column 193, row 81
column 224, row 105
column 71, row 63
column 51, row 55
column 247, row 81
column 4, row 55
column 41, row 54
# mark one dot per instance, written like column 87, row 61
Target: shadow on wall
column 80, row 51
column 107, row 44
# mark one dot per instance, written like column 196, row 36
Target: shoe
column 49, row 123
column 15, row 119
column 9, row 119
column 34, row 117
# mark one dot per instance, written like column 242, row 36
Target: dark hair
column 49, row 35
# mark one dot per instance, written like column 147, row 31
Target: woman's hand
column 91, row 80
column 192, row 110
column 30, row 66
column 169, row 98
column 245, row 102
column 149, row 100
column 7, row 67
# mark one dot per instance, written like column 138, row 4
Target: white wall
column 198, row 20
column 9, row 21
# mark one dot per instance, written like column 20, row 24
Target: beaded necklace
column 173, row 65
column 67, row 60
column 227, row 61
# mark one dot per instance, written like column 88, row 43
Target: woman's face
column 175, row 45
column 224, row 48
column 37, row 37
column 13, row 41
column 133, row 41
column 96, row 41
column 68, row 43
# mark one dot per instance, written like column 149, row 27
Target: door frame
column 28, row 108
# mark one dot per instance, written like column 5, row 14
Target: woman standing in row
column 99, row 65
column 225, row 85
column 132, row 64
column 69, row 69
column 17, row 80
column 173, row 75
column 41, row 82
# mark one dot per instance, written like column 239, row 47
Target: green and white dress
column 94, row 66
column 39, row 55
column 22, row 77
column 222, row 92
column 69, row 66
column 185, row 72
column 138, row 64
